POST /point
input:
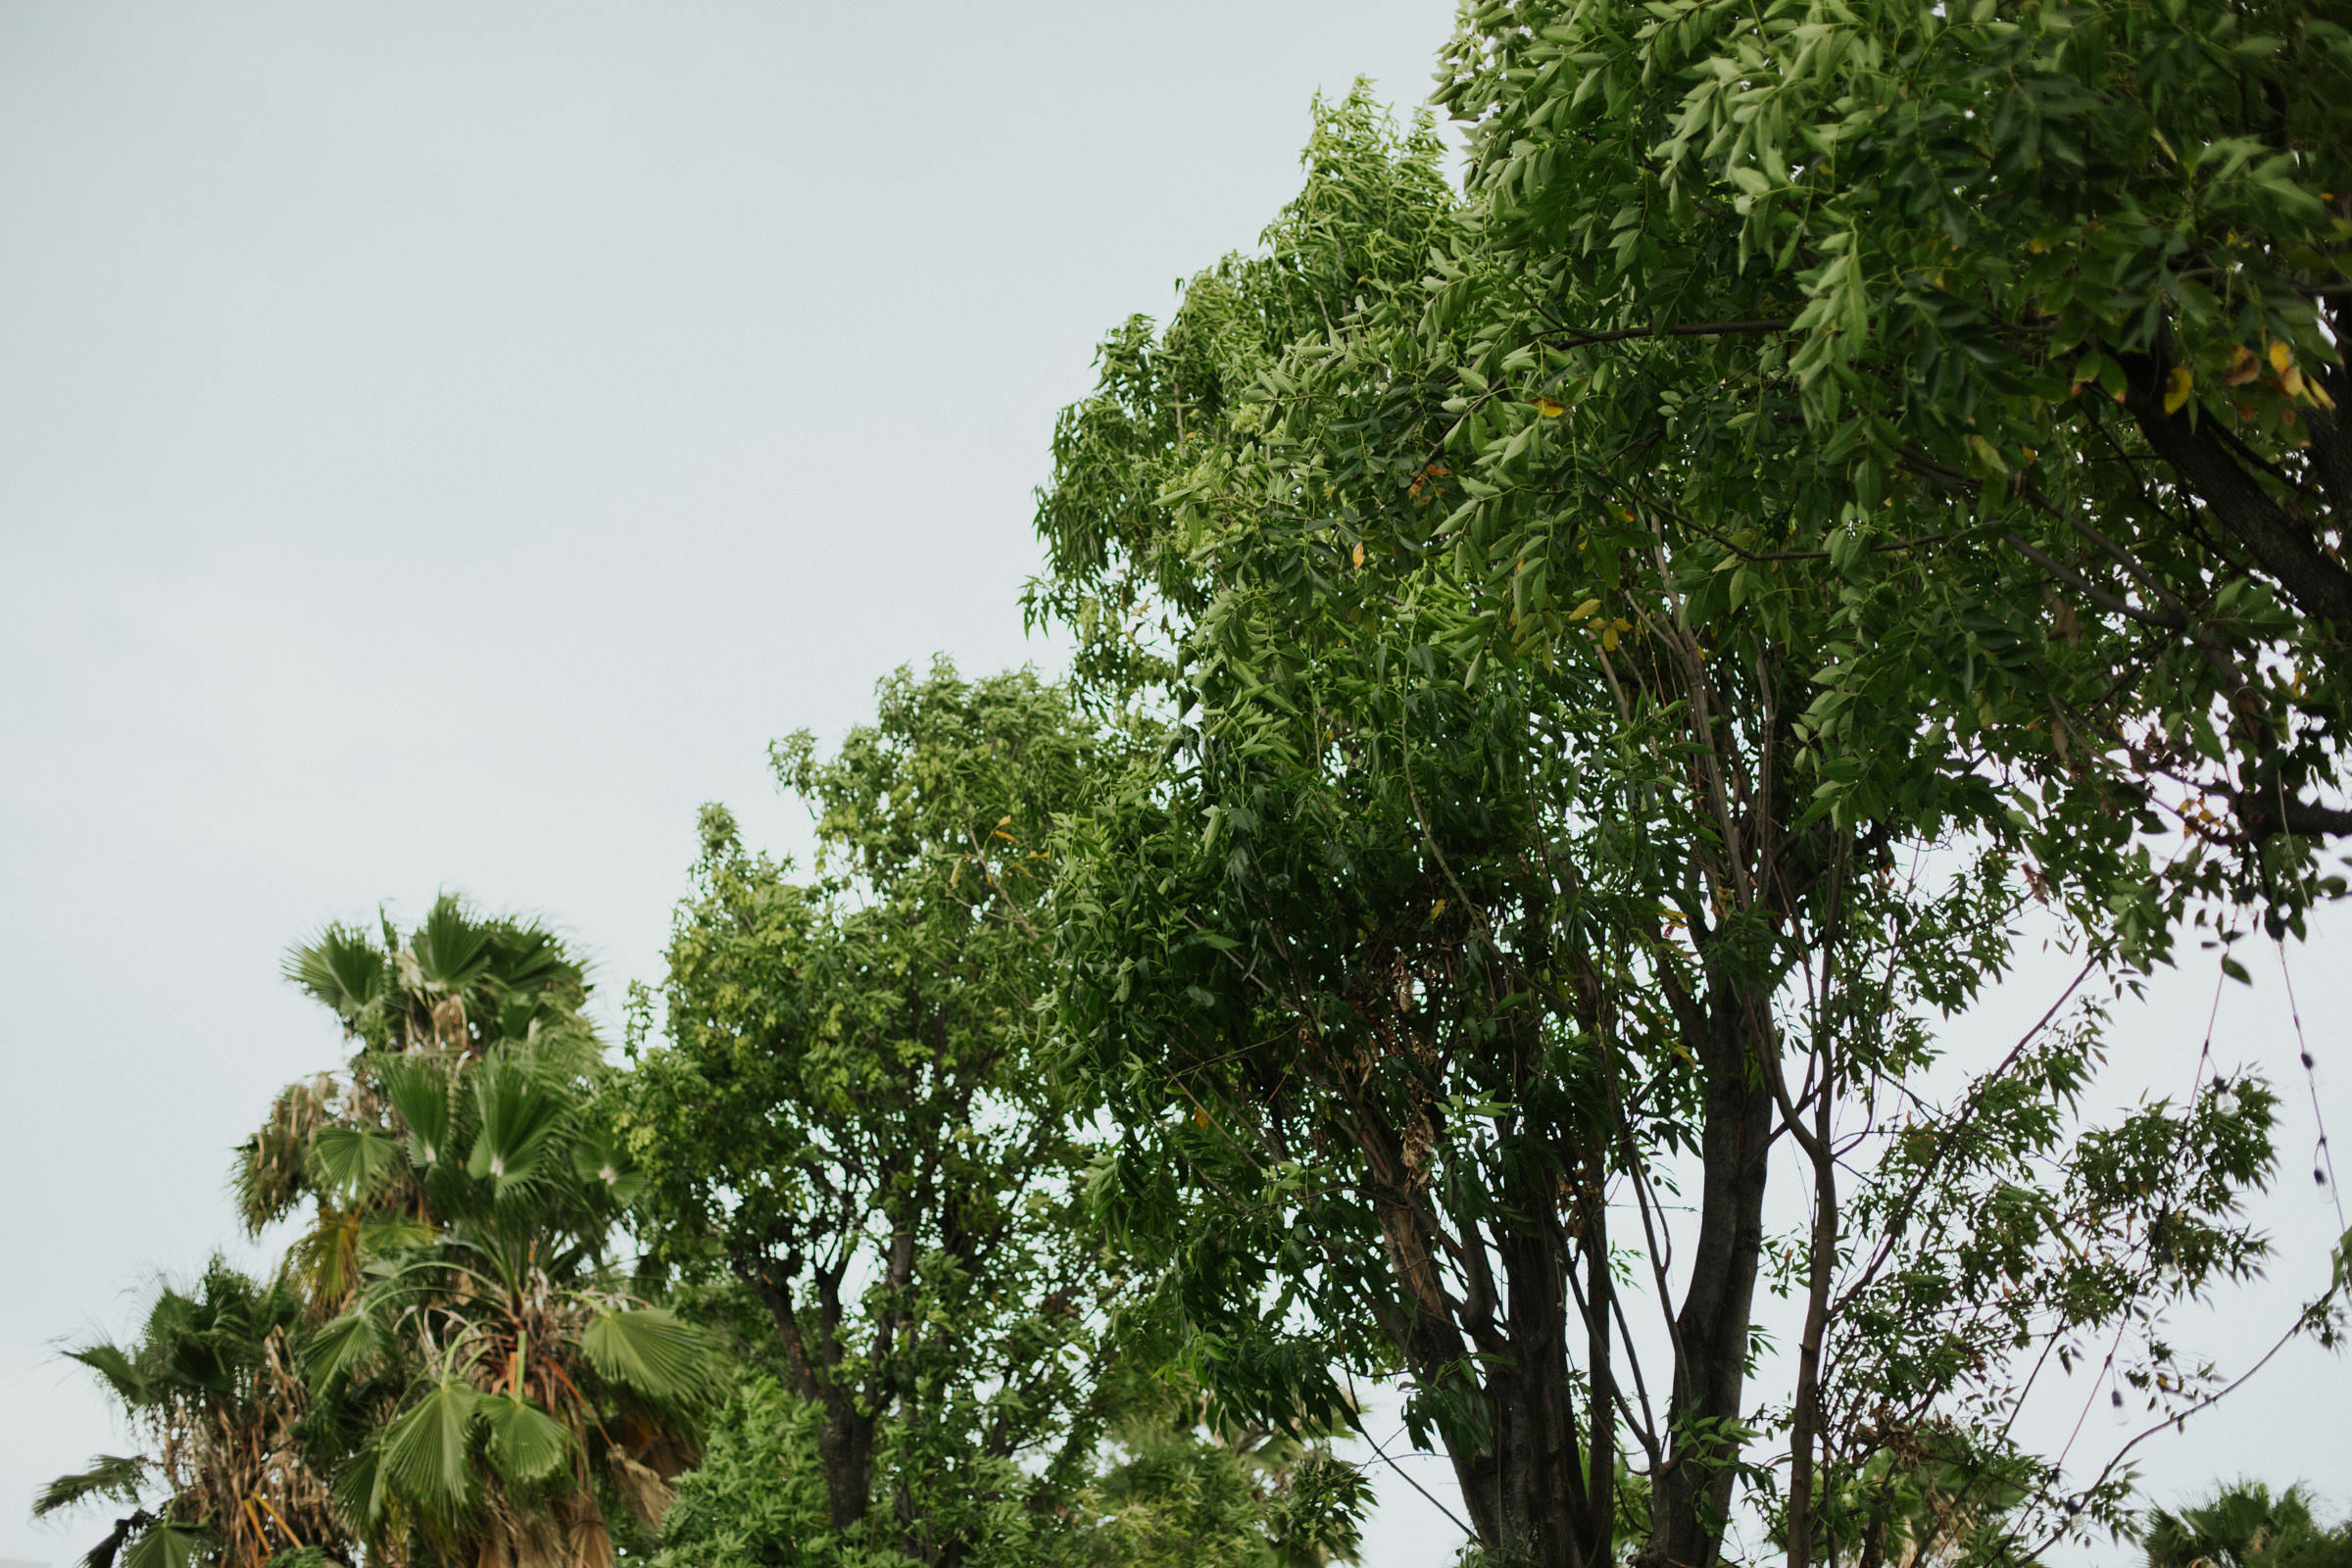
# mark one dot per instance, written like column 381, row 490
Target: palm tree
column 2243, row 1526
column 454, row 989
column 212, row 1387
column 504, row 1392
column 484, row 1389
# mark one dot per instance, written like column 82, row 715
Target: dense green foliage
column 1607, row 739
column 853, row 1118
column 1171, row 1495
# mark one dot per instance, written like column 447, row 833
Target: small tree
column 855, row 1115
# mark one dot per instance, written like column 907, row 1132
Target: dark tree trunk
column 1691, row 1499
column 1526, row 1486
column 1536, row 1429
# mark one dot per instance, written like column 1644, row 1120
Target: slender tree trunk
column 1600, row 1487
column 1525, row 1486
column 1691, row 1499
column 1805, row 1425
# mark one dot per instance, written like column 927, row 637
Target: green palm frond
column 341, row 1344
column 452, row 949
column 419, row 1085
column 358, row 1486
column 651, row 1352
column 343, row 968
column 521, row 1117
column 381, row 1235
column 424, row 1458
column 525, row 1445
column 595, row 1158
column 109, row 1362
column 528, row 963
column 110, row 1475
column 353, row 1162
column 167, row 1543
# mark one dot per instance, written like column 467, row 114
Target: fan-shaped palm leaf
column 649, row 1352
column 342, row 1345
column 110, row 1475
column 594, row 1159
column 109, row 1362
column 353, row 1162
column 342, row 968
column 167, row 1544
column 423, row 1457
column 521, row 1121
column 452, row 949
column 418, row 1086
column 358, row 1486
column 525, row 1443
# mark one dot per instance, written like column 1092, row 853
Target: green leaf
column 649, row 1352
column 425, row 1452
column 419, row 1090
column 353, row 1161
column 109, row 1362
column 526, row 1444
column 339, row 1344
column 359, row 1485
column 109, row 1476
column 522, row 1122
column 167, row 1545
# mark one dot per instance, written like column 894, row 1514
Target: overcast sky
column 442, row 444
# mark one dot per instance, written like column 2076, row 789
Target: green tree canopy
column 1505, row 868
column 855, row 1115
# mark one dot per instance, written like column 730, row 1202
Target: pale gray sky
column 441, row 444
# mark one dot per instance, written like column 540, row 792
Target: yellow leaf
column 2036, row 245
column 1550, row 408
column 1608, row 639
column 1436, row 908
column 2282, row 357
column 2179, row 385
column 1359, row 552
column 1004, row 822
column 2291, row 382
column 1584, row 609
column 1200, row 1117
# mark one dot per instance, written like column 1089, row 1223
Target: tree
column 421, row 1010
column 2015, row 328
column 212, row 1387
column 492, row 1392
column 855, row 1116
column 1505, row 869
column 2241, row 1524
column 2011, row 331
column 483, row 1385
